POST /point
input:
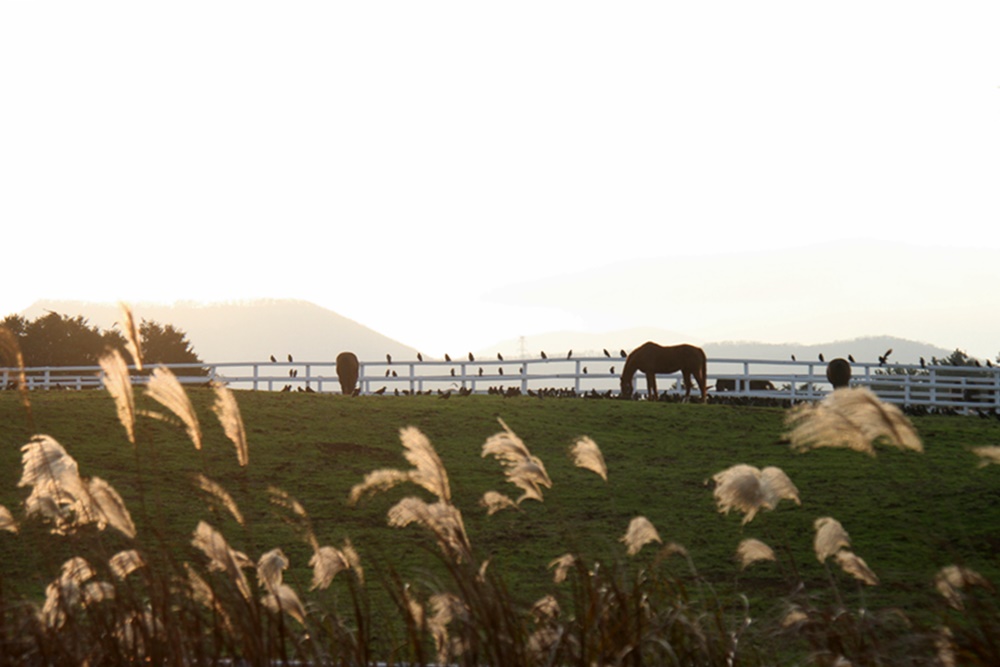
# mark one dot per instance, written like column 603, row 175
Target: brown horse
column 838, row 372
column 347, row 372
column 651, row 359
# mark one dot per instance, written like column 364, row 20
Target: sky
column 454, row 174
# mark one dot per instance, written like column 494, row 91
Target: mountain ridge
column 253, row 330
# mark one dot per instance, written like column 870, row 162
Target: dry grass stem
column 855, row 566
column 587, row 455
column 228, row 412
column 851, row 417
column 640, row 533
column 830, row 537
column 11, row 357
column 561, row 566
column 166, row 389
column 131, row 334
column 495, row 501
column 748, row 489
column 220, row 496
column 751, row 551
column 118, row 382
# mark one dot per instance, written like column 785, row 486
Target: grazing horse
column 347, row 372
column 651, row 359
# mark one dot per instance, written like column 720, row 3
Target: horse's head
column 626, row 386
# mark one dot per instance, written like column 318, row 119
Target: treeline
column 55, row 339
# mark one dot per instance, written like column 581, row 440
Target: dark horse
column 347, row 371
column 651, row 359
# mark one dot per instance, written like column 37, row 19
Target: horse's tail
column 703, row 373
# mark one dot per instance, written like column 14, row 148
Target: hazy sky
column 452, row 174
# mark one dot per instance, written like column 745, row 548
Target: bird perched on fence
column 569, row 355
column 885, row 357
column 388, row 358
column 420, row 357
column 821, row 357
column 622, row 353
column 289, row 358
column 446, row 357
column 606, row 353
column 499, row 356
column 544, row 355
column 471, row 358
column 850, row 358
column 273, row 359
column 500, row 371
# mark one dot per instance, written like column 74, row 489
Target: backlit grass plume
column 851, row 417
column 428, row 470
column 830, row 537
column 587, row 455
column 640, row 533
column 748, row 489
column 166, row 389
column 228, row 412
column 131, row 333
column 521, row 468
column 987, row 454
column 752, row 550
column 221, row 557
column 60, row 495
column 951, row 580
column 494, row 501
column 118, row 382
column 7, row 521
column 219, row 496
column 855, row 566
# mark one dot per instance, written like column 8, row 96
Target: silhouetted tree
column 166, row 344
column 60, row 340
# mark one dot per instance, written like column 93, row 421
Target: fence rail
column 956, row 387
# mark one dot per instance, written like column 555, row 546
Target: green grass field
column 907, row 513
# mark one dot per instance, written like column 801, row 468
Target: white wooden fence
column 956, row 387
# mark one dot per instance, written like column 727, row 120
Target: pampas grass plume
column 561, row 566
column 855, row 566
column 751, row 551
column 219, row 495
column 495, row 501
column 110, row 507
column 118, row 382
column 987, row 454
column 131, row 334
column 7, row 521
column 166, row 389
column 640, row 533
column 228, row 412
column 587, row 455
column 830, row 537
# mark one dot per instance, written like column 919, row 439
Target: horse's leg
column 687, row 386
column 651, row 385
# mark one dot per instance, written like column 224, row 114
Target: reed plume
column 441, row 518
column 166, row 389
column 495, row 501
column 640, row 533
column 221, row 557
column 109, row 507
column 7, row 521
column 228, row 412
column 751, row 551
column 219, row 495
column 951, row 580
column 561, row 566
column 131, row 332
column 586, row 454
column 855, row 566
column 851, row 417
column 748, row 489
column 299, row 518
column 125, row 563
column 270, row 568
column 327, row 562
column 521, row 468
column 429, row 472
column 987, row 454
column 284, row 599
column 65, row 592
column 118, row 382
column 830, row 537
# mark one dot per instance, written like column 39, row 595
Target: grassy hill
column 907, row 514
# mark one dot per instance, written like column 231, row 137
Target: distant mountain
column 866, row 349
column 250, row 330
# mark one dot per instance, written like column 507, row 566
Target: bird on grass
column 379, row 391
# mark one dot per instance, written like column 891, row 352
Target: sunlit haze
column 454, row 174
